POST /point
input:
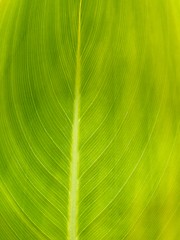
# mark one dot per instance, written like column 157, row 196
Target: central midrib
column 74, row 184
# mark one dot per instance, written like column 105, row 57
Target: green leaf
column 90, row 118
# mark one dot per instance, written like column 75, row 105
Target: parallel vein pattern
column 89, row 120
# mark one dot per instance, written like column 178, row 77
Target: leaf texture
column 89, row 119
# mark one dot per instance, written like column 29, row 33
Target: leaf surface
column 90, row 118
